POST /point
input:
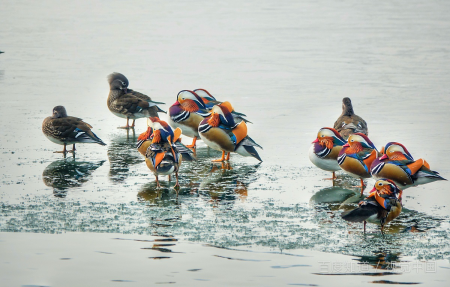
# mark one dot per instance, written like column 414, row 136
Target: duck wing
column 72, row 129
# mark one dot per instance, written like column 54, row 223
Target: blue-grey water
column 286, row 65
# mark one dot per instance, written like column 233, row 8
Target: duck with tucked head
column 220, row 132
column 398, row 165
column 65, row 130
column 348, row 123
column 129, row 104
column 357, row 156
column 162, row 149
column 325, row 150
column 210, row 101
column 187, row 113
column 383, row 204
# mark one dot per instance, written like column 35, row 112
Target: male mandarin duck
column 63, row 129
column 129, row 104
column 383, row 204
column 356, row 157
column 325, row 150
column 348, row 123
column 162, row 149
column 398, row 164
column 220, row 132
column 210, row 101
column 187, row 113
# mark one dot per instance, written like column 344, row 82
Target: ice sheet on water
column 263, row 223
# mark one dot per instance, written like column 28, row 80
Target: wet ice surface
column 235, row 204
column 286, row 65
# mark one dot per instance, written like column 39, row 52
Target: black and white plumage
column 63, row 129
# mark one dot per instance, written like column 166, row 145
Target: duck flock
column 199, row 115
column 347, row 147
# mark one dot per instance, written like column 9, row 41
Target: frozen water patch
column 265, row 223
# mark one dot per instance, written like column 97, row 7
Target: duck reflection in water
column 382, row 259
column 68, row 173
column 225, row 184
column 121, row 155
column 155, row 196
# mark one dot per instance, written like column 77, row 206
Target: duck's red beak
column 346, row 145
column 384, row 156
column 316, row 140
column 176, row 103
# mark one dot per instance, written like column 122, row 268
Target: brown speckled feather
column 348, row 123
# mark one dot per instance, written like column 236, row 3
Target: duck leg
column 331, row 178
column 132, row 124
column 73, row 149
column 365, row 227
column 228, row 156
column 169, row 177
column 362, row 186
column 193, row 143
column 221, row 159
column 177, row 185
column 157, row 182
column 127, row 126
column 64, row 151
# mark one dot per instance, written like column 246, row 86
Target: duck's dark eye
column 322, row 135
column 380, row 184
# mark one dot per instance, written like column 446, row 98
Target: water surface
column 287, row 65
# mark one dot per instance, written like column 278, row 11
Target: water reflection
column 122, row 154
column 159, row 197
column 382, row 259
column 68, row 173
column 225, row 183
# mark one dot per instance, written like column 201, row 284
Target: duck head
column 387, row 187
column 117, row 81
column 59, row 112
column 221, row 114
column 329, row 137
column 161, row 130
column 347, row 108
column 358, row 142
column 396, row 151
column 189, row 101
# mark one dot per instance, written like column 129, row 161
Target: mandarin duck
column 383, row 204
column 398, row 164
column 163, row 150
column 356, row 157
column 187, row 113
column 65, row 130
column 220, row 132
column 325, row 150
column 210, row 101
column 348, row 123
column 129, row 104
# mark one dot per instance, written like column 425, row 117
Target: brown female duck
column 63, row 129
column 129, row 104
